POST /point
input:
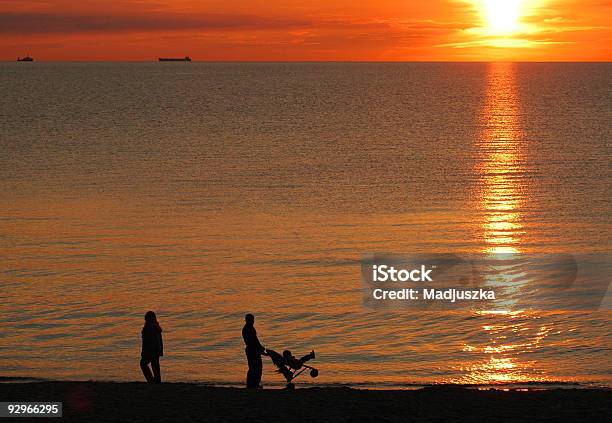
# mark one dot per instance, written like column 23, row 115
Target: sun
column 502, row 16
column 504, row 23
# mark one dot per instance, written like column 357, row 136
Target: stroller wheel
column 290, row 386
column 314, row 373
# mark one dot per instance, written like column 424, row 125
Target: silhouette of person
column 152, row 348
column 253, row 351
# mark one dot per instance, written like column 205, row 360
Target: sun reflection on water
column 499, row 351
column 502, row 163
column 511, row 337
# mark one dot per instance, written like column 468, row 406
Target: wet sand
column 182, row 402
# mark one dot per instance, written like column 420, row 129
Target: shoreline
column 138, row 401
column 368, row 386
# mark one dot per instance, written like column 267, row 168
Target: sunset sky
column 402, row 30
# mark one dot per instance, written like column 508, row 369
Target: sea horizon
column 155, row 60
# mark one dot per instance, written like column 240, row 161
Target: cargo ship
column 175, row 59
column 25, row 59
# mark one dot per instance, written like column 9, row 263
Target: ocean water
column 206, row 190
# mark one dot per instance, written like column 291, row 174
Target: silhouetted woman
column 152, row 348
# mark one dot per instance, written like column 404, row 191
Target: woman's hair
column 150, row 317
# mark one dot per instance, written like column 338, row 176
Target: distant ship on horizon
column 175, row 59
column 25, row 59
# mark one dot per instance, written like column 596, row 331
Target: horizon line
column 155, row 60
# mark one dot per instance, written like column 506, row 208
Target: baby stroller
column 291, row 367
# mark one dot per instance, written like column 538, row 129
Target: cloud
column 24, row 23
column 46, row 22
column 504, row 43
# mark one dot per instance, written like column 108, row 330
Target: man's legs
column 250, row 373
column 257, row 371
column 144, row 365
column 156, row 370
column 255, row 368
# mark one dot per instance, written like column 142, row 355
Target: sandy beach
column 182, row 402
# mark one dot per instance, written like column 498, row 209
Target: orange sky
column 424, row 30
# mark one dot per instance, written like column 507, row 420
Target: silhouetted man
column 152, row 348
column 253, row 350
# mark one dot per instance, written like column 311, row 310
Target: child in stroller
column 292, row 367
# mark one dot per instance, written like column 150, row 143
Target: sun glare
column 504, row 23
column 502, row 16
